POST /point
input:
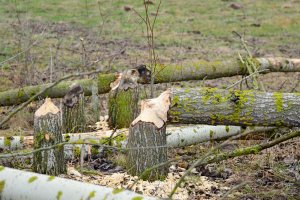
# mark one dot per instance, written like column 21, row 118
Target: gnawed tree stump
column 124, row 96
column 73, row 110
column 47, row 132
column 147, row 140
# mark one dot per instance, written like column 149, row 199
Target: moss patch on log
column 2, row 185
column 278, row 101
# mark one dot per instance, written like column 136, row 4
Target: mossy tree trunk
column 47, row 132
column 194, row 71
column 73, row 111
column 147, row 147
column 244, row 108
column 123, row 107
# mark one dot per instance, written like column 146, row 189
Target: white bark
column 176, row 136
column 19, row 185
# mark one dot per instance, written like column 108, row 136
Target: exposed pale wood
column 155, row 110
column 147, row 140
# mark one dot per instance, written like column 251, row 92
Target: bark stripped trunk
column 74, row 111
column 47, row 132
column 194, row 71
column 147, row 142
column 243, row 108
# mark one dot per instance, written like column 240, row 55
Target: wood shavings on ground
column 196, row 186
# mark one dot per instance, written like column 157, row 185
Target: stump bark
column 147, row 141
column 48, row 132
column 74, row 110
column 124, row 96
column 123, row 107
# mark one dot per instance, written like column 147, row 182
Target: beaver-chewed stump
column 73, row 110
column 48, row 132
column 147, row 144
column 124, row 96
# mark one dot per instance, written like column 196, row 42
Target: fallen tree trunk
column 242, row 108
column 18, row 185
column 176, row 136
column 195, row 71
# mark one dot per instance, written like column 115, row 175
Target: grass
column 185, row 31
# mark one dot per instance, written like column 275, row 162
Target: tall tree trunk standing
column 194, row 71
column 73, row 110
column 243, row 108
column 147, row 142
column 47, row 132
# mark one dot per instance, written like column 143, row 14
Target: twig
column 234, row 188
column 43, row 91
column 25, row 50
column 251, row 149
column 79, row 142
column 199, row 161
column 231, row 86
column 248, row 62
column 202, row 159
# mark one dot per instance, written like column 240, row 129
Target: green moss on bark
column 123, row 107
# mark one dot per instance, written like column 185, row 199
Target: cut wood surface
column 19, row 185
column 194, row 71
column 147, row 139
column 242, row 108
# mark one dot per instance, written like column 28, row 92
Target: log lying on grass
column 18, row 185
column 195, row 71
column 243, row 108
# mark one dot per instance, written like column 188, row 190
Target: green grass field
column 184, row 31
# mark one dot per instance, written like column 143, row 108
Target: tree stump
column 47, row 132
column 123, row 107
column 74, row 110
column 124, row 96
column 147, row 144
